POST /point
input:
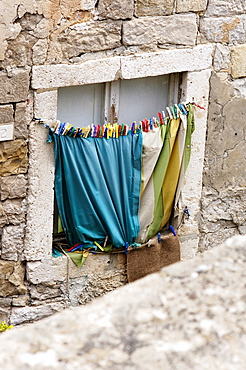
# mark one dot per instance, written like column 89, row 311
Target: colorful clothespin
column 169, row 113
column 160, row 118
column 99, row 246
column 126, row 248
column 159, row 238
column 172, row 230
column 173, row 112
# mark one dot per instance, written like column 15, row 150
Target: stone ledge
column 107, row 69
column 188, row 311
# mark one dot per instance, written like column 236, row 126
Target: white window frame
column 196, row 64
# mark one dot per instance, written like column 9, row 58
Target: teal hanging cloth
column 97, row 186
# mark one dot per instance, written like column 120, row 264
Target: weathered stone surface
column 229, row 30
column 6, row 113
column 13, row 157
column 21, row 301
column 225, row 7
column 221, row 57
column 42, row 292
column 11, row 278
column 218, row 85
column 21, row 130
column 4, row 314
column 118, row 9
column 191, row 6
column 12, row 211
column 88, row 37
column 238, row 61
column 21, row 315
column 12, row 242
column 14, row 88
column 170, row 320
column 173, row 29
column 154, row 7
column 13, row 187
column 39, row 52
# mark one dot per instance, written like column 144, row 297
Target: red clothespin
column 160, row 118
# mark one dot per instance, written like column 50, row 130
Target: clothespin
column 164, row 117
column 75, row 247
column 150, row 124
column 133, row 124
column 122, row 129
column 169, row 113
column 160, row 118
column 99, row 246
column 159, row 238
column 173, row 112
column 172, row 230
column 126, row 248
column 183, row 108
column 186, row 211
column 116, row 131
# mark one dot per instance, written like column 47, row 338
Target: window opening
column 122, row 101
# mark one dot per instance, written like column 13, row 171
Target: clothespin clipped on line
column 99, row 246
column 126, row 248
column 172, row 230
column 159, row 238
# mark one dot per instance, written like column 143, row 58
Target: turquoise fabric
column 97, row 186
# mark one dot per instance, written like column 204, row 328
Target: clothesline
column 116, row 130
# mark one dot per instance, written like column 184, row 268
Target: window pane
column 142, row 98
column 81, row 105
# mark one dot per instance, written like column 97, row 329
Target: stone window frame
column 196, row 63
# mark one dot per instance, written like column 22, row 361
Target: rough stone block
column 184, row 6
column 14, row 88
column 12, row 278
column 118, row 9
column 21, row 315
column 15, row 210
column 6, row 113
column 21, row 300
column 238, row 61
column 173, row 29
column 12, row 242
column 165, row 62
column 225, row 7
column 4, row 314
column 228, row 30
column 95, row 36
column 221, row 57
column 13, row 157
column 53, row 76
column 39, row 52
column 21, row 130
column 154, row 7
column 13, row 187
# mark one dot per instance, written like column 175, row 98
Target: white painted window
column 122, row 101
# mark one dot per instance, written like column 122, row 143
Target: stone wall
column 39, row 32
column 190, row 315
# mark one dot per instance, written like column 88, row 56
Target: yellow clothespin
column 99, row 246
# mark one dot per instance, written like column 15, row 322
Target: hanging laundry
column 118, row 181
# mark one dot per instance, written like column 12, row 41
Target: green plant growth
column 4, row 326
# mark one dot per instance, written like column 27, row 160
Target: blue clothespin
column 172, row 230
column 126, row 248
column 151, row 124
column 159, row 238
column 186, row 211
